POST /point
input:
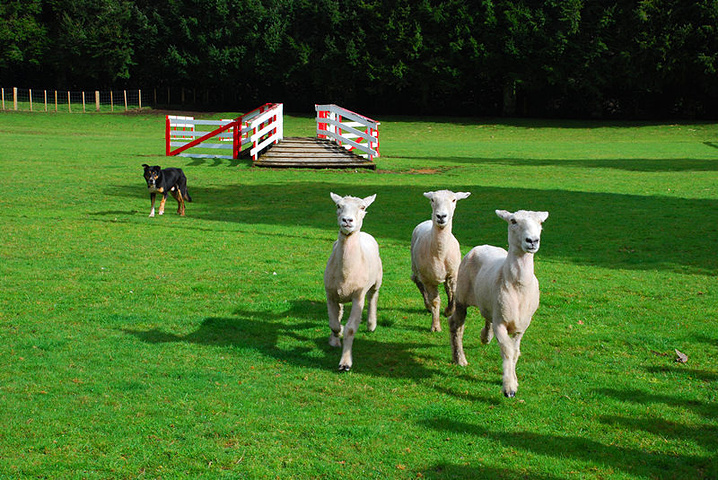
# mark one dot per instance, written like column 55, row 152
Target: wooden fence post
column 139, row 96
column 30, row 96
column 45, row 93
column 3, row 97
column 97, row 100
column 83, row 101
column 14, row 97
column 112, row 102
column 125, row 91
column 69, row 107
column 56, row 100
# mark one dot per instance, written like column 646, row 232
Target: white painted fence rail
column 349, row 129
column 255, row 130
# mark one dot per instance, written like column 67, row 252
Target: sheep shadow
column 450, row 470
column 298, row 337
column 632, row 461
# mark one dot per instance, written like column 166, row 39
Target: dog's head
column 152, row 174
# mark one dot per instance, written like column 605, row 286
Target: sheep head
column 443, row 204
column 524, row 228
column 351, row 211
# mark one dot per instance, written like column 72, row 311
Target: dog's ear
column 146, row 166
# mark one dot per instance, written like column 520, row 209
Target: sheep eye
column 513, row 221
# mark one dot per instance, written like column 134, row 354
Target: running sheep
column 435, row 254
column 503, row 286
column 353, row 274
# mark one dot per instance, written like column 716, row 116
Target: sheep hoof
column 509, row 394
column 436, row 328
column 344, row 368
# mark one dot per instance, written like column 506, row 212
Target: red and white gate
column 254, row 130
column 349, row 129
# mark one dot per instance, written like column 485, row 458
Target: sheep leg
column 345, row 364
column 335, row 311
column 372, row 300
column 422, row 290
column 509, row 356
column 487, row 333
column 450, row 288
column 434, row 302
column 517, row 353
column 456, row 325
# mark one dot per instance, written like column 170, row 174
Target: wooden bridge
column 301, row 152
column 344, row 139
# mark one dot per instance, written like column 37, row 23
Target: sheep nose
column 532, row 241
column 441, row 218
column 347, row 220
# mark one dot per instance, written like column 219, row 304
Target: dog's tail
column 186, row 196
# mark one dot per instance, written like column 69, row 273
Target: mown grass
column 197, row 347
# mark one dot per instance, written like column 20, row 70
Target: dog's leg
column 162, row 203
column 180, row 201
column 152, row 199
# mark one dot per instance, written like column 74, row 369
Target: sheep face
column 524, row 228
column 443, row 204
column 351, row 211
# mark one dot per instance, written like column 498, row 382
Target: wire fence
column 89, row 101
column 28, row 99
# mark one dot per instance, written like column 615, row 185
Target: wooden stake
column 112, row 102
column 30, row 95
column 14, row 97
column 125, row 91
column 97, row 100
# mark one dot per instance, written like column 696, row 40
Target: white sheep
column 503, row 286
column 353, row 274
column 435, row 254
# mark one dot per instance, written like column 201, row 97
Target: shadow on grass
column 302, row 342
column 449, row 470
column 634, row 461
column 596, row 229
column 632, row 165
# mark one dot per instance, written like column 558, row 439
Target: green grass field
column 196, row 347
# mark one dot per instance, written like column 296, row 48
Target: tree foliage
column 516, row 57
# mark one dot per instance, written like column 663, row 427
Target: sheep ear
column 542, row 216
column 369, row 200
column 336, row 198
column 505, row 214
column 462, row 195
column 429, row 195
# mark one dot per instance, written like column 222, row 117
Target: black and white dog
column 164, row 181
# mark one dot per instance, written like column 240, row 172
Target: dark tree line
column 584, row 58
